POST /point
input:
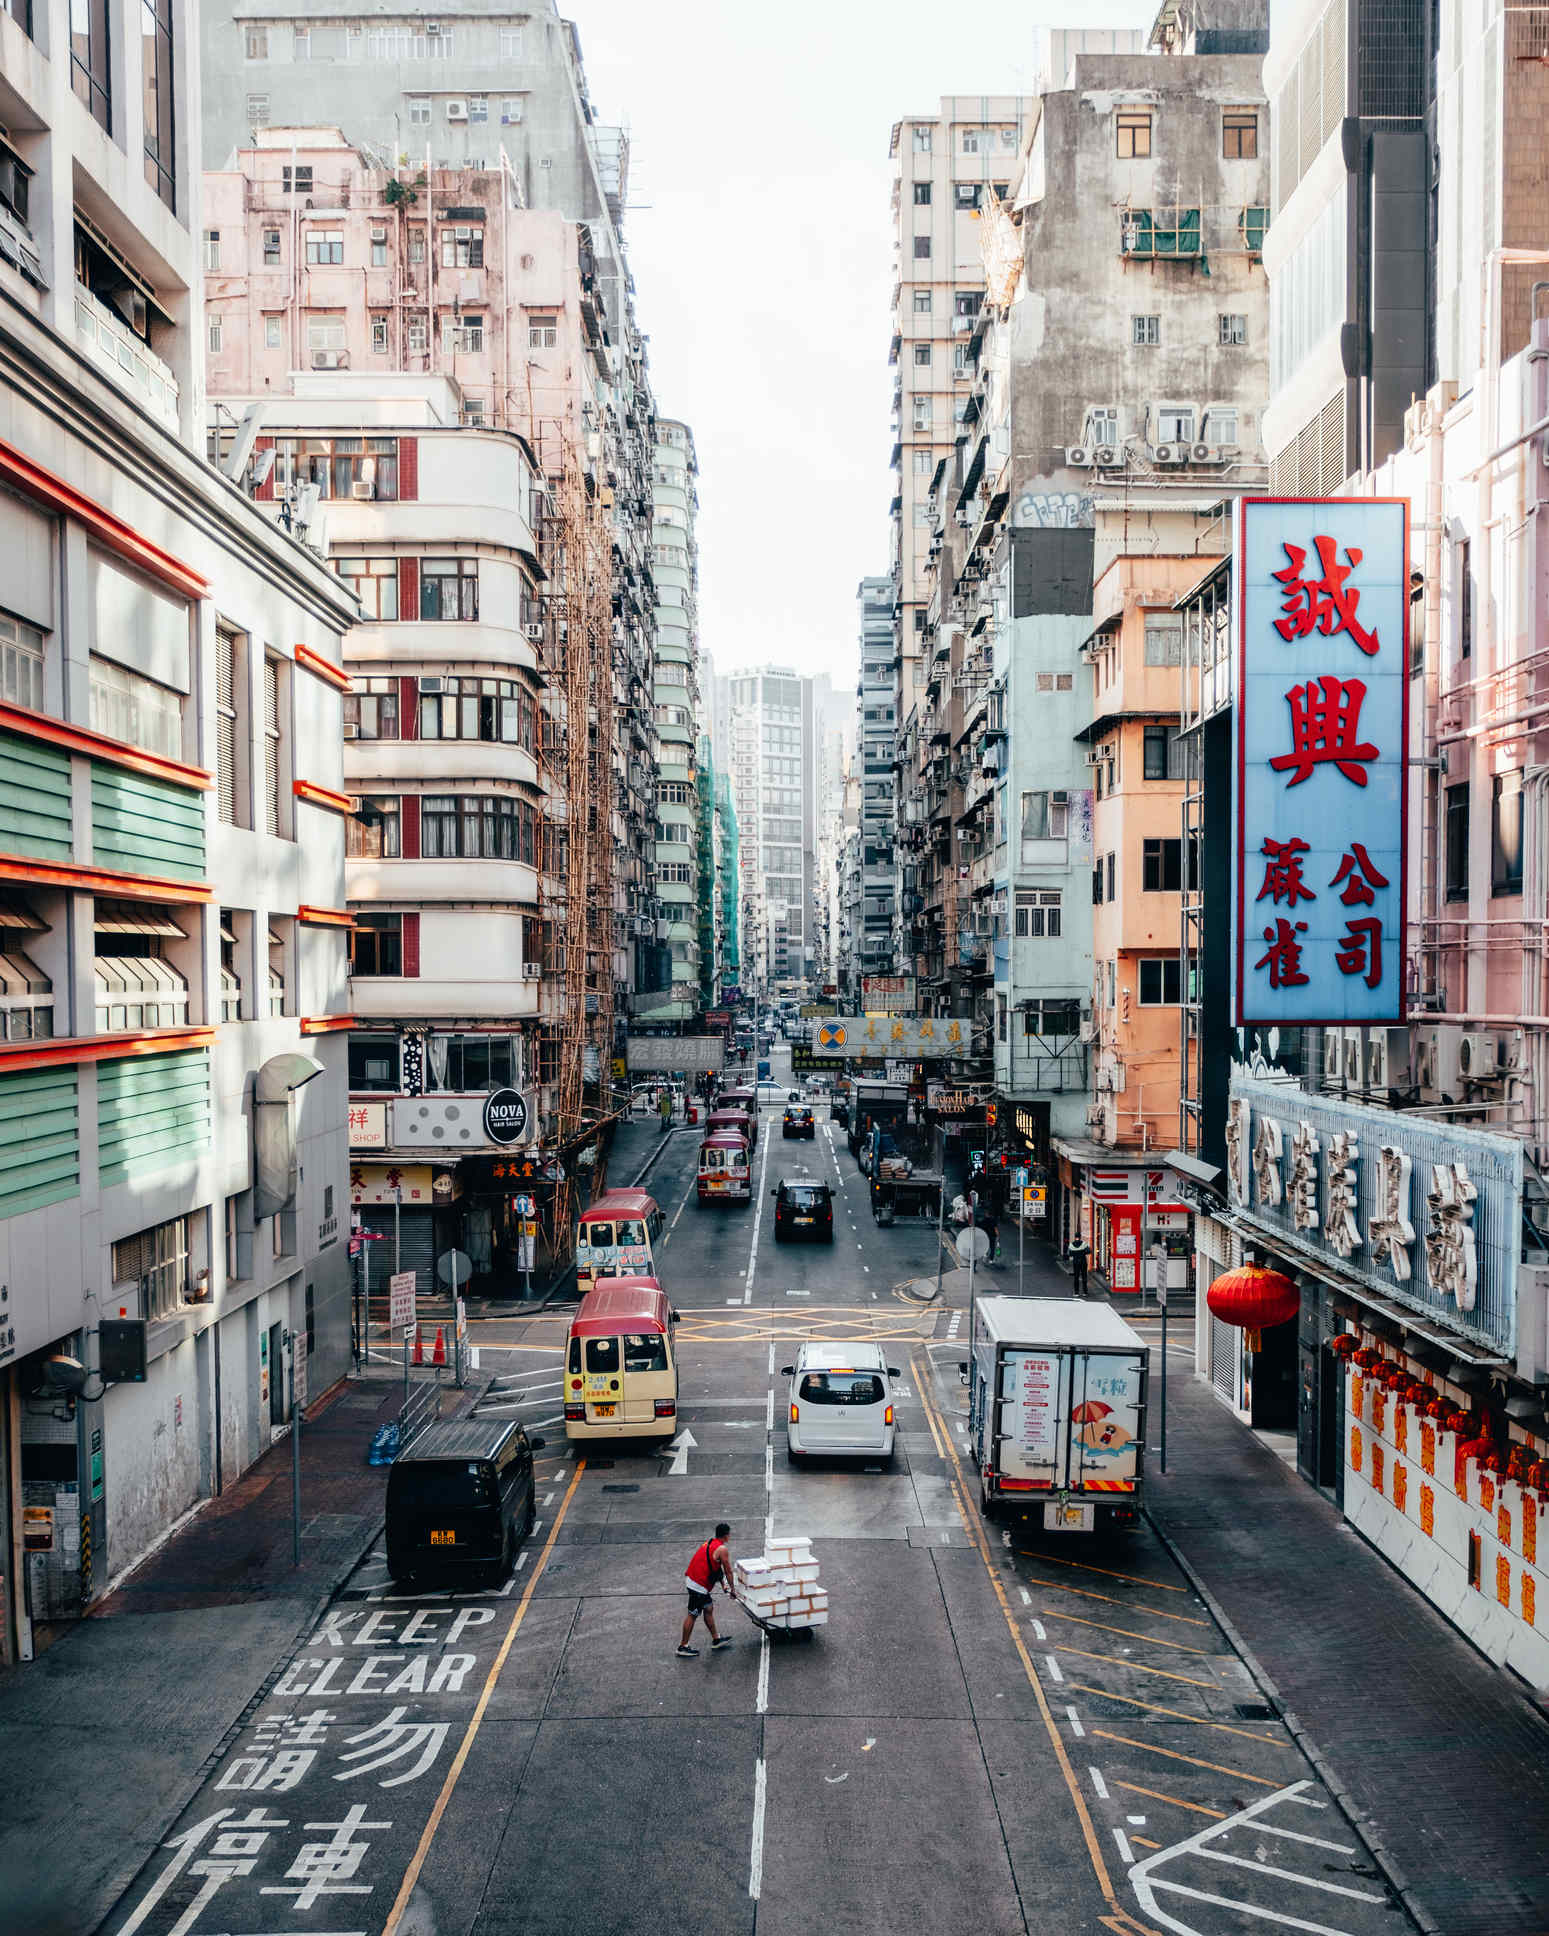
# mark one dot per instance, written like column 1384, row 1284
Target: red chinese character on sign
column 1360, row 951
column 1283, row 874
column 1325, row 604
column 1325, row 724
column 1284, row 960
column 1360, row 877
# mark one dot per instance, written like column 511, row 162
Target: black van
column 804, row 1207
column 462, row 1497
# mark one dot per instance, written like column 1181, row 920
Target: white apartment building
column 674, row 506
column 173, row 1162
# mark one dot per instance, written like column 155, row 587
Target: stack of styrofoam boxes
column 781, row 1589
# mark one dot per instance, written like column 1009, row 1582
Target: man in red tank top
column 710, row 1563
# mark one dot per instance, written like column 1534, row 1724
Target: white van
column 841, row 1403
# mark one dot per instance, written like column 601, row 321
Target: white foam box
column 800, row 1574
column 761, row 1598
column 807, row 1620
column 752, row 1572
column 794, row 1547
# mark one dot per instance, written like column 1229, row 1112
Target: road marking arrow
column 680, row 1448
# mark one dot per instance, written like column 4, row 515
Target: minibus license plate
column 604, row 1411
column 1061, row 1518
column 801, row 1220
column 443, row 1539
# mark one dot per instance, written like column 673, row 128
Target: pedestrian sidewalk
column 104, row 1737
column 1441, row 1758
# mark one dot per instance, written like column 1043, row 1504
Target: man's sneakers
column 717, row 1645
column 688, row 1653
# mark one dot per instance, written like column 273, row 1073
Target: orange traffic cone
column 438, row 1356
column 419, row 1346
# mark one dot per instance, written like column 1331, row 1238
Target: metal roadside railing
column 422, row 1407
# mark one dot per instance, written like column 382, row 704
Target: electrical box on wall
column 121, row 1351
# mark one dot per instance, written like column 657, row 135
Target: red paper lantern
column 1254, row 1299
column 1368, row 1358
column 1345, row 1345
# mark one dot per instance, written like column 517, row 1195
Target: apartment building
column 1411, row 1216
column 676, row 875
column 876, row 719
column 172, row 1056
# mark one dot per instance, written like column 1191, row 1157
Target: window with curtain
column 449, row 588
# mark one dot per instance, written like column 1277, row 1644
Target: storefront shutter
column 416, row 1247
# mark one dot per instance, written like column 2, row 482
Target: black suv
column 798, row 1122
column 804, row 1207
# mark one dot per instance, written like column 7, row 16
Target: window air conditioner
column 457, row 110
column 363, row 488
column 329, row 359
column 1478, row 1057
column 532, row 971
column 1107, row 455
column 535, row 632
column 1078, row 456
column 1333, row 1054
column 1354, row 1060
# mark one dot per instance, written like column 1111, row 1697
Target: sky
column 759, row 236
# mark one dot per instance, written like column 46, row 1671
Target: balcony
column 132, row 364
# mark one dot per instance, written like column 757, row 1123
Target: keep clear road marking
column 758, row 1218
column 454, row 1774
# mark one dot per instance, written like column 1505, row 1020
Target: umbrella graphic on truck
column 1101, row 1433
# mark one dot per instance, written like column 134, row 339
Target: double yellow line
column 1119, row 1918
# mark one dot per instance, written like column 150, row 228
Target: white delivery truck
column 1057, row 1411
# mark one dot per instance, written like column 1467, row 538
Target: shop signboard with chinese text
column 1422, row 1214
column 408, row 1184
column 368, row 1125
column 886, row 995
column 904, row 1038
column 1322, row 749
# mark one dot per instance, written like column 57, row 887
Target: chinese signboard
column 907, row 1038
column 1423, row 1213
column 380, row 1183
column 1322, row 734
column 886, row 994
column 368, row 1125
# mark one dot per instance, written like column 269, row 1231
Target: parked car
column 461, row 1500
column 798, row 1122
column 804, row 1207
column 840, row 1403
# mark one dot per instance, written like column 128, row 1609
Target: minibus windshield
column 441, row 1483
column 645, row 1351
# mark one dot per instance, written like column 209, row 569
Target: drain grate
column 1247, row 1710
column 621, row 1488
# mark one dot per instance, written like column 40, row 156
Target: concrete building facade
column 676, row 875
column 874, row 903
column 172, row 1056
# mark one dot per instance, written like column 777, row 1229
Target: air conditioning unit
column 535, row 633
column 1105, row 456
column 433, row 26
column 532, row 971
column 1355, row 1061
column 1096, row 1116
column 330, row 359
column 1512, row 1051
column 1169, row 454
column 1111, row 1077
column 362, row 488
column 1387, row 1059
column 457, row 110
column 1131, row 237
column 1088, row 1032
column 1478, row 1057
column 1202, row 453
column 1078, row 456
column 1333, row 1055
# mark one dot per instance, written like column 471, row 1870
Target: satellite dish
column 973, row 1243
column 61, row 1375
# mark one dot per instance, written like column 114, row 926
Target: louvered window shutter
column 271, row 746
column 226, row 726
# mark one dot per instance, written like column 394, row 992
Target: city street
column 997, row 1729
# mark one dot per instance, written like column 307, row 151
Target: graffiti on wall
column 1053, row 510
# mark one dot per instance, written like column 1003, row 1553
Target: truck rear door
column 1107, row 1420
column 1033, row 1414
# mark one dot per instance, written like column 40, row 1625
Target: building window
column 1240, row 134
column 922, row 194
column 976, row 141
column 1051, row 1018
column 134, row 987
column 1233, row 330
column 376, row 945
column 461, row 332
column 1161, row 866
column 1506, row 834
column 1133, row 134
column 213, row 334
column 212, row 248
column 478, row 107
column 325, row 248
column 230, row 666
column 1045, row 816
column 417, row 246
column 1164, row 639
column 274, row 332
column 449, row 588
column 542, row 332
column 1175, row 423
column 418, row 335
column 1457, row 842
column 371, row 709
column 89, row 73
column 231, row 981
column 483, row 709
column 1036, row 915
column 1145, row 331
column 472, row 827
column 157, row 85
column 462, row 247
column 379, row 335
column 921, row 142
column 296, row 181
column 276, row 975
column 375, row 583
column 1161, row 981
column 922, row 248
column 922, row 413
column 256, row 43
column 510, row 43
column 966, row 196
column 922, row 356
column 156, row 1261
column 1465, row 600
column 924, row 463
column 922, row 302
column 374, row 1064
column 419, row 110
column 21, row 663
column 511, row 111
column 257, row 111
column 272, row 748
column 129, row 707
column 371, row 832
column 379, row 248
column 271, row 248
column 1220, row 427
column 1163, row 754
column 337, row 465
column 471, row 1064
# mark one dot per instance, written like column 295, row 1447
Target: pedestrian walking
column 990, row 1225
column 712, row 1562
column 666, row 1108
column 1078, row 1253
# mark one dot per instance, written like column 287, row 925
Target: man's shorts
column 699, row 1602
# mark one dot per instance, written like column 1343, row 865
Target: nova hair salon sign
column 1423, row 1214
column 506, row 1116
column 1322, row 739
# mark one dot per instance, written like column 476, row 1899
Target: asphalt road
column 999, row 1731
